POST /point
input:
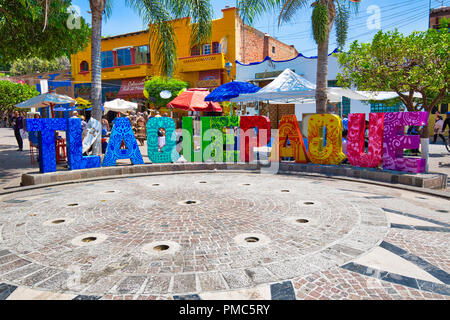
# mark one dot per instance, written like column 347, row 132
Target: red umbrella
column 194, row 100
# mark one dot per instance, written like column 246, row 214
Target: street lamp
column 228, row 67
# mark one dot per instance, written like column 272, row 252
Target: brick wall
column 256, row 45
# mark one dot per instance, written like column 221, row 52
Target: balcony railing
column 200, row 63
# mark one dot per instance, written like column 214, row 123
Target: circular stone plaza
column 223, row 235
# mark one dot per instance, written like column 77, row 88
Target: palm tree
column 157, row 13
column 325, row 14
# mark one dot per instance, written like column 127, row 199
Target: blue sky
column 406, row 15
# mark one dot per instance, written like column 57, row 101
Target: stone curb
column 416, row 183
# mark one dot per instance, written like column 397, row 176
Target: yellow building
column 127, row 59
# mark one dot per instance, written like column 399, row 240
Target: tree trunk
column 97, row 8
column 322, row 62
column 424, row 143
column 322, row 77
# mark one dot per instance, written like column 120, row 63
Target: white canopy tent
column 289, row 87
column 119, row 105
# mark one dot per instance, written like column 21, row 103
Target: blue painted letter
column 122, row 131
column 46, row 135
column 75, row 158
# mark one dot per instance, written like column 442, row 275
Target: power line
column 353, row 25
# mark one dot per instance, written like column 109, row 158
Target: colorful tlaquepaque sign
column 229, row 139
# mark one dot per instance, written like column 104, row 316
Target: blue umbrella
column 231, row 90
column 90, row 109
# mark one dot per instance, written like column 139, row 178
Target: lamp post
column 228, row 67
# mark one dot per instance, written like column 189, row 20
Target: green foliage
column 419, row 63
column 35, row 65
column 12, row 93
column 156, row 84
column 341, row 23
column 320, row 23
column 22, row 35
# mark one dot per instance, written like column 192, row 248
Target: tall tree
column 407, row 65
column 325, row 14
column 12, row 93
column 158, row 13
column 35, row 65
column 23, row 35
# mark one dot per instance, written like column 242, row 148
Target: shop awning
column 131, row 87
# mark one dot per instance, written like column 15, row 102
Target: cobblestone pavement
column 223, row 236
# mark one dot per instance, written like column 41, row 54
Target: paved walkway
column 223, row 236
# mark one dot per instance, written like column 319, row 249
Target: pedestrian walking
column 17, row 121
column 438, row 125
column 140, row 130
column 447, row 124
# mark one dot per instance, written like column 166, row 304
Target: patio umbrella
column 45, row 100
column 119, row 105
column 231, row 90
column 65, row 107
column 194, row 100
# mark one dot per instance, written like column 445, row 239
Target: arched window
column 84, row 66
column 216, row 47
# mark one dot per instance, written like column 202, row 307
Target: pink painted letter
column 355, row 140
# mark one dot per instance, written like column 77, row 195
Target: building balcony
column 119, row 72
column 200, row 63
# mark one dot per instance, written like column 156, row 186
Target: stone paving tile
column 57, row 283
column 184, row 283
column 341, row 284
column 433, row 247
column 16, row 264
column 4, row 252
column 130, row 285
column 158, row 284
column 39, row 276
column 237, row 279
column 211, row 281
column 22, row 272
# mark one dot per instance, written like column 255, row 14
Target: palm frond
column 290, row 9
column 162, row 35
column 341, row 23
column 201, row 14
column 250, row 10
column 108, row 9
column 159, row 13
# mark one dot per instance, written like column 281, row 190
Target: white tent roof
column 119, row 105
column 289, row 87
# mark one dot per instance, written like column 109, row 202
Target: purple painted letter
column 395, row 141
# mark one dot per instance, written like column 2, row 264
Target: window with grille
column 381, row 107
column 206, row 49
column 195, row 51
column 107, row 59
column 124, row 57
column 142, row 55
